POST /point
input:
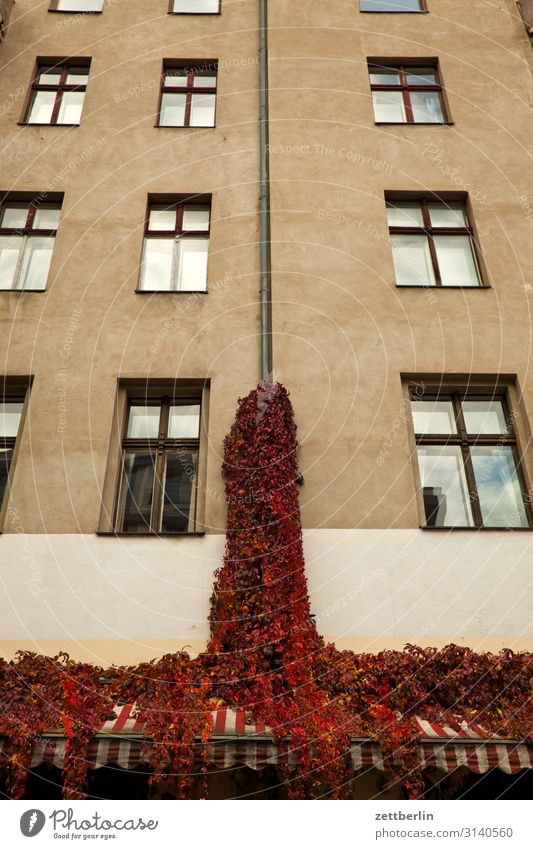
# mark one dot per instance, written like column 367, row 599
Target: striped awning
column 238, row 741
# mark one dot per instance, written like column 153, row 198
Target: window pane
column 484, row 417
column 202, row 110
column 172, row 110
column 412, row 261
column 10, row 248
column 71, row 107
column 157, row 264
column 388, row 106
column 177, row 78
column 427, row 108
column 500, row 496
column 6, row 455
column 163, row 218
column 80, row 5
column 389, row 5
column 179, row 492
column 421, row 76
column 193, row 265
column 184, row 421
column 10, row 413
column 78, row 76
column 204, row 80
column 49, row 76
column 433, row 417
column 196, row 6
column 196, row 218
column 36, row 263
column 384, row 76
column 456, row 259
column 15, row 216
column 46, row 218
column 447, row 214
column 136, row 492
column 42, row 107
column 404, row 215
column 444, row 486
column 143, row 422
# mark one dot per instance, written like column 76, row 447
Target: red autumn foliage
column 265, row 655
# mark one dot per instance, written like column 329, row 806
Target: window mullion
column 467, row 460
column 472, row 487
column 426, row 218
column 18, row 269
column 434, row 259
column 159, row 488
column 179, row 217
column 407, row 106
column 30, row 217
column 188, row 108
column 57, row 106
column 59, row 95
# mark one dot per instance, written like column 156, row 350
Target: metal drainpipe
column 264, row 201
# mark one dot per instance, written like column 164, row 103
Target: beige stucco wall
column 343, row 332
column 106, row 167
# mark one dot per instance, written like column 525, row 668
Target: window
column 195, row 7
column 407, row 94
column 11, row 406
column 77, row 5
column 468, row 460
column 176, row 246
column 188, row 95
column 27, row 232
column 159, row 466
column 433, row 243
column 392, row 5
column 58, row 92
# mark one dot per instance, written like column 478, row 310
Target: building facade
column 399, row 146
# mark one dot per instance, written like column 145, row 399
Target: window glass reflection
column 143, row 422
column 433, row 417
column 500, row 496
column 444, row 487
column 484, row 417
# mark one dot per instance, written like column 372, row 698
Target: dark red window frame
column 403, row 69
column 181, row 204
column 192, row 69
column 64, row 66
column 159, row 447
column 34, row 203
column 430, row 231
column 465, row 440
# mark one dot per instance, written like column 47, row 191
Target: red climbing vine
column 266, row 656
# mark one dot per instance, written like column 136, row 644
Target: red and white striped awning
column 237, row 741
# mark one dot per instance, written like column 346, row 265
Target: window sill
column 149, row 535
column 24, row 291
column 476, row 530
column 28, row 124
column 440, row 288
column 171, row 291
column 182, row 127
column 76, row 12
column 414, row 123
